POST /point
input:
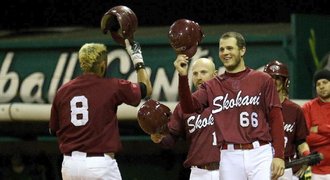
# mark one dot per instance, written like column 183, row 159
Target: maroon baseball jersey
column 83, row 113
column 295, row 127
column 199, row 132
column 240, row 103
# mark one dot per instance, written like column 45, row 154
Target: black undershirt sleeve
column 300, row 141
column 143, row 89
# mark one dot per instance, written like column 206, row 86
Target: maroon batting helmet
column 153, row 117
column 277, row 68
column 122, row 23
column 185, row 35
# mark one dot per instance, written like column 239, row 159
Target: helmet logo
column 274, row 68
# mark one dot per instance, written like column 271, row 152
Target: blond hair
column 90, row 54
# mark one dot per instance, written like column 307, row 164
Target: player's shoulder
column 310, row 103
column 115, row 83
column 67, row 85
column 259, row 74
column 178, row 110
column 178, row 107
column 212, row 82
column 289, row 103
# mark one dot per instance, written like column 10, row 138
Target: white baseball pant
column 79, row 166
column 203, row 174
column 320, row 176
column 253, row 164
column 288, row 175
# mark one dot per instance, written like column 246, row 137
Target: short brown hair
column 239, row 38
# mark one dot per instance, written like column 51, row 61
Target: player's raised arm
column 184, row 35
column 181, row 65
column 135, row 53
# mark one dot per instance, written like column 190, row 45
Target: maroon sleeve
column 169, row 141
column 176, row 125
column 277, row 131
column 303, row 131
column 176, row 128
column 189, row 104
column 129, row 92
column 185, row 95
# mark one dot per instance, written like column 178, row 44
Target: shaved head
column 204, row 62
column 203, row 69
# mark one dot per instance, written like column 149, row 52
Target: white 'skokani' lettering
column 289, row 127
column 196, row 122
column 223, row 103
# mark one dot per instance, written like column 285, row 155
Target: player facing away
column 317, row 114
column 295, row 128
column 197, row 129
column 83, row 114
column 246, row 110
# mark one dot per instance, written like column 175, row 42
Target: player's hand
column 300, row 173
column 157, row 138
column 278, row 168
column 134, row 51
column 181, row 64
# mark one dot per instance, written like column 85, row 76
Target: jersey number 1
column 79, row 114
column 214, row 142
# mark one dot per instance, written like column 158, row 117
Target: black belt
column 244, row 146
column 112, row 155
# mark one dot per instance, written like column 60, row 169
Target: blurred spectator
column 317, row 114
column 17, row 169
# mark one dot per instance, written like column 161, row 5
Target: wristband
column 306, row 153
column 139, row 66
column 137, row 58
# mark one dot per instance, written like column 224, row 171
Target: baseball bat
column 311, row 159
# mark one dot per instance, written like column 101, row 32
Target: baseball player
column 317, row 113
column 83, row 114
column 295, row 129
column 246, row 110
column 197, row 129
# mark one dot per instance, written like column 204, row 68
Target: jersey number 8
column 79, row 110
